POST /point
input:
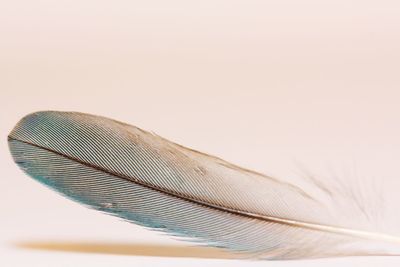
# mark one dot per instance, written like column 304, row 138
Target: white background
column 264, row 84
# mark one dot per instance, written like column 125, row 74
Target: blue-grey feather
column 127, row 172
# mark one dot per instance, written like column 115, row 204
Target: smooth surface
column 264, row 85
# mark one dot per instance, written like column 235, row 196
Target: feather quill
column 127, row 172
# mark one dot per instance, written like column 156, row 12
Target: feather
column 127, row 172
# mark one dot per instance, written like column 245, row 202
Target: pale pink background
column 264, row 84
